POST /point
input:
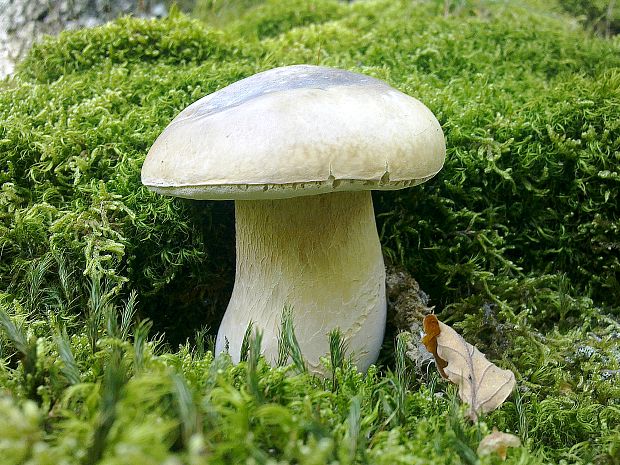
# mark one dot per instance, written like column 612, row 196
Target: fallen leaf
column 497, row 442
column 482, row 385
column 431, row 330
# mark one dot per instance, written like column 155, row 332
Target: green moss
column 516, row 241
column 529, row 182
column 175, row 40
column 219, row 13
column 601, row 15
column 71, row 180
column 132, row 401
column 273, row 17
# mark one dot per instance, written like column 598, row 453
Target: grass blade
column 337, row 351
column 188, row 414
column 245, row 343
column 115, row 378
column 26, row 348
column 354, row 424
column 288, row 346
column 200, row 337
column 127, row 315
column 253, row 357
column 140, row 338
column 70, row 368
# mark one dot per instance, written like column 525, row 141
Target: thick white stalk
column 318, row 254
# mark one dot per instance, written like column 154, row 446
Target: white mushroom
column 299, row 148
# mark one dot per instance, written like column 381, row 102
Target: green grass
column 129, row 398
column 515, row 241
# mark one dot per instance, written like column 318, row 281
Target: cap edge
column 279, row 191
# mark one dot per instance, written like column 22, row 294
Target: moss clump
column 175, row 40
column 516, row 242
column 528, row 186
column 72, row 148
column 272, row 18
column 109, row 394
column 601, row 15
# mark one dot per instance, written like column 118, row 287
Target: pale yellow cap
column 293, row 131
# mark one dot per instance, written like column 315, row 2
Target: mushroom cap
column 294, row 131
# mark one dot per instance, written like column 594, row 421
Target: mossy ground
column 516, row 242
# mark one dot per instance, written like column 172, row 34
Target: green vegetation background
column 517, row 241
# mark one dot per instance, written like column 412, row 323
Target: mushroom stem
column 320, row 255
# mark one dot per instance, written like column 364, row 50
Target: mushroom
column 299, row 149
column 497, row 442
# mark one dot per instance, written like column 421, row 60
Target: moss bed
column 110, row 295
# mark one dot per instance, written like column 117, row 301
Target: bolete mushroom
column 299, row 149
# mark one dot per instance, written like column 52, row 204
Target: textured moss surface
column 516, row 242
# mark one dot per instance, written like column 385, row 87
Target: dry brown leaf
column 497, row 442
column 482, row 385
column 431, row 331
